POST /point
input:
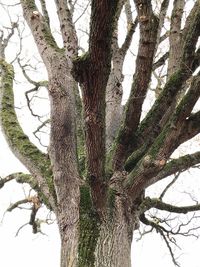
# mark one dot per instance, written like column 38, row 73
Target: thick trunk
column 111, row 247
column 114, row 246
column 99, row 242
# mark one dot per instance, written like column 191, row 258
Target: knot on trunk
column 116, row 182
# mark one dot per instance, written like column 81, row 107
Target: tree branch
column 67, row 29
column 177, row 165
column 161, row 112
column 7, row 179
column 4, row 41
column 158, row 204
column 148, row 35
column 161, row 230
column 175, row 37
column 41, row 32
column 176, row 176
column 45, row 12
column 19, row 202
column 101, row 30
column 92, row 71
column 162, row 15
column 168, row 140
column 159, row 115
column 165, row 144
column 160, row 61
column 35, row 161
column 127, row 42
column 114, row 90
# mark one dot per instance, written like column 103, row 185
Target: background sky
column 27, row 249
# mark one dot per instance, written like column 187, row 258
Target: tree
column 102, row 155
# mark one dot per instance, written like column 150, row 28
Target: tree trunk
column 69, row 246
column 114, row 245
column 99, row 242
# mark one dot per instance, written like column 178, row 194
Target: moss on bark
column 89, row 229
column 18, row 141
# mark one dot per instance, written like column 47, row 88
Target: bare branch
column 45, row 12
column 67, row 29
column 127, row 42
column 170, row 249
column 169, row 185
column 158, row 204
column 160, row 61
column 114, row 90
column 177, row 165
column 83, row 12
column 159, row 115
column 20, row 228
column 8, row 178
column 162, row 15
column 175, row 37
column 28, row 78
column 148, row 34
column 19, row 143
column 46, row 43
column 36, row 205
column 4, row 41
column 39, row 129
column 159, row 229
column 184, row 109
column 16, row 204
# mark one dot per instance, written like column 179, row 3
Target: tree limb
column 162, row 15
column 7, row 179
column 160, row 113
column 175, row 37
column 35, row 161
column 19, row 202
column 114, row 89
column 160, row 61
column 176, row 176
column 158, row 204
column 44, row 40
column 161, row 230
column 148, row 35
column 67, row 28
column 45, row 12
column 92, row 71
column 168, row 140
column 177, row 165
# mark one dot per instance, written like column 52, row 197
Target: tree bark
column 114, row 245
column 108, row 247
column 106, row 241
column 69, row 245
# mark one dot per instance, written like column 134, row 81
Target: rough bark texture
column 101, row 159
column 108, row 251
column 148, row 35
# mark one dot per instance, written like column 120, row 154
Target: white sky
column 40, row 250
